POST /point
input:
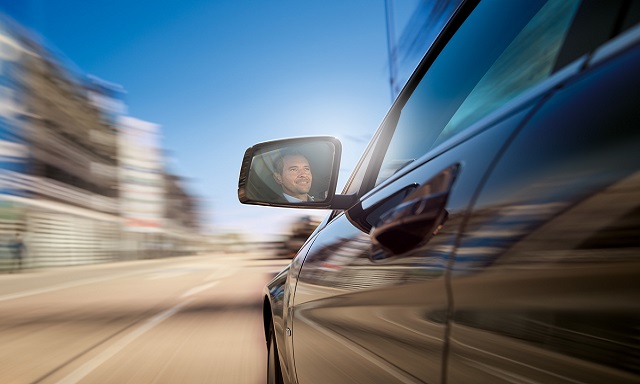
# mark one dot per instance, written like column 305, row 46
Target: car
column 490, row 232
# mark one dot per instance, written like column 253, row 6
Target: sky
column 220, row 76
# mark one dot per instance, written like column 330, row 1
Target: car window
column 357, row 177
column 502, row 49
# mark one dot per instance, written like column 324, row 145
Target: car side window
column 504, row 48
column 357, row 177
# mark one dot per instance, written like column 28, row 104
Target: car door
column 372, row 301
column 546, row 279
column 364, row 314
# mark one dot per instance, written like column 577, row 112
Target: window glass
column 353, row 185
column 357, row 177
column 502, row 49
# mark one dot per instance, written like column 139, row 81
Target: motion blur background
column 86, row 180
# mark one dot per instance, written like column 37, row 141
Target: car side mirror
column 298, row 173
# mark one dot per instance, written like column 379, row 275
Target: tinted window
column 502, row 49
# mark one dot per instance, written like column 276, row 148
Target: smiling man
column 293, row 174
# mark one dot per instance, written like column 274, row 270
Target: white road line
column 54, row 288
column 166, row 275
column 198, row 289
column 220, row 274
column 108, row 353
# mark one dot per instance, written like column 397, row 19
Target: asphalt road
column 193, row 319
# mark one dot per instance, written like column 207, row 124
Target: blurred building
column 83, row 182
column 141, row 186
column 182, row 217
column 14, row 152
column 60, row 186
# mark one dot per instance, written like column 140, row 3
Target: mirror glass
column 296, row 172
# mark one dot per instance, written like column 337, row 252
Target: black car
column 491, row 231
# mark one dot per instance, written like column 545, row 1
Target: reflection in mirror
column 291, row 172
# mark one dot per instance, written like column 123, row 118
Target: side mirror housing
column 296, row 173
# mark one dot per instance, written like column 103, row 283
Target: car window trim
column 619, row 44
column 387, row 128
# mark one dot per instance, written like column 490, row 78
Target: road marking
column 220, row 274
column 166, row 275
column 108, row 353
column 154, row 271
column 54, row 288
column 198, row 289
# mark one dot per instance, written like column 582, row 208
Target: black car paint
column 560, row 273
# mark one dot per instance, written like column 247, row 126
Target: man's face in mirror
column 295, row 176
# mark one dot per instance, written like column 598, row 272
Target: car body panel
column 552, row 248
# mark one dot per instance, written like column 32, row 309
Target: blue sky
column 220, row 76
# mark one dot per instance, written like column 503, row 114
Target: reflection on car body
column 509, row 249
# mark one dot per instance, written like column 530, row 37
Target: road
column 193, row 319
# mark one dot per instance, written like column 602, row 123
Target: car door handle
column 415, row 220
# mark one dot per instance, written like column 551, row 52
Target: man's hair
column 278, row 163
